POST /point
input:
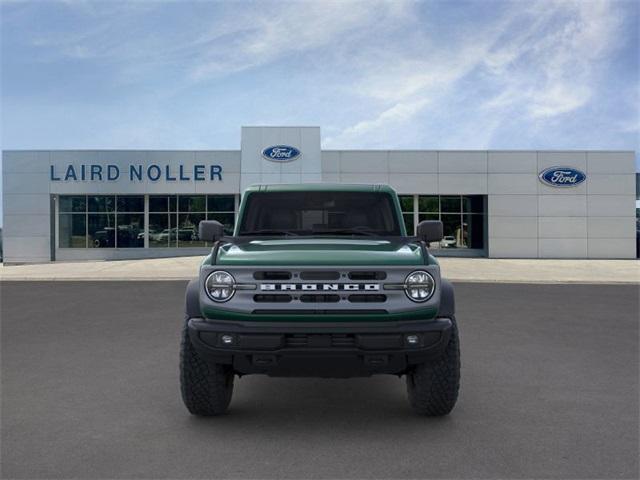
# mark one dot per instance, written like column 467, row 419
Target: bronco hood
column 320, row 251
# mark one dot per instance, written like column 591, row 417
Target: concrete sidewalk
column 456, row 269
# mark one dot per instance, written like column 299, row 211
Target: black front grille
column 367, row 275
column 319, row 298
column 274, row 298
column 271, row 275
column 276, row 311
column 320, row 341
column 359, row 298
column 320, row 275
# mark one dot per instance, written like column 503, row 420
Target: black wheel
column 206, row 387
column 433, row 386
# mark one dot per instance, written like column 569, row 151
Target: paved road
column 90, row 390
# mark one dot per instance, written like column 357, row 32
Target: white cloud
column 253, row 38
column 231, row 37
column 372, row 72
column 539, row 60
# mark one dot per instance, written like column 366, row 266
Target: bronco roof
column 320, row 187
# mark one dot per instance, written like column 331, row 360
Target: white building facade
column 120, row 204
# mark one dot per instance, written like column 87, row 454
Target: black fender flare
column 447, row 300
column 192, row 299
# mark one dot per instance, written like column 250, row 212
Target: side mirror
column 210, row 230
column 430, row 231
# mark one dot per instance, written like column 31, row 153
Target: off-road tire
column 433, row 386
column 206, row 387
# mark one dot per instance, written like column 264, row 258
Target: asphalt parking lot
column 90, row 390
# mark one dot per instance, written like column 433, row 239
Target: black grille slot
column 271, row 298
column 266, row 275
column 367, row 275
column 343, row 340
column 275, row 311
column 301, row 340
column 296, row 341
column 367, row 298
column 319, row 298
column 319, row 275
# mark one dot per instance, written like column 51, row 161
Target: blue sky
column 402, row 74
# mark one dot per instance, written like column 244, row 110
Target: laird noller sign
column 135, row 173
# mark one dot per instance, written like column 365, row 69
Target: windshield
column 319, row 213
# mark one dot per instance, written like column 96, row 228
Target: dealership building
column 69, row 205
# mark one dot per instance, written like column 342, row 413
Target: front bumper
column 320, row 349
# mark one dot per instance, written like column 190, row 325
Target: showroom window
column 101, row 221
column 463, row 218
column 174, row 219
column 118, row 221
column 406, row 205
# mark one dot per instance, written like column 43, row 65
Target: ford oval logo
column 562, row 177
column 281, row 153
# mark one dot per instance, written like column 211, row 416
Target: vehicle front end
column 328, row 298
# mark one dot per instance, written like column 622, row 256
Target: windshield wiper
column 346, row 231
column 267, row 231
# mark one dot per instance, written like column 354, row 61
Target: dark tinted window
column 102, row 203
column 220, row 203
column 473, row 204
column 131, row 203
column 428, row 204
column 450, row 205
column 406, row 203
column 130, row 230
column 72, row 230
column 192, row 203
column 158, row 203
column 331, row 213
column 101, row 230
column 74, row 203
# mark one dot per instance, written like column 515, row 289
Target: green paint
column 320, row 251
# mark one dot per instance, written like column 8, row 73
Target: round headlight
column 419, row 286
column 220, row 286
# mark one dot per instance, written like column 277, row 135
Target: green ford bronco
column 320, row 280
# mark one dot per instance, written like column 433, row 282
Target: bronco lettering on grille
column 369, row 287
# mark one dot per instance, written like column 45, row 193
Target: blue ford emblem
column 281, row 153
column 562, row 177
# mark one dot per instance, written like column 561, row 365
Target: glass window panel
column 406, row 203
column 159, row 232
column 173, row 203
column 451, row 204
column 158, row 203
column 317, row 213
column 131, row 203
column 220, row 203
column 101, row 230
column 428, row 204
column 408, row 223
column 428, row 216
column 473, row 231
column 226, row 219
column 72, row 230
column 452, row 231
column 473, row 204
column 130, row 230
column 102, row 203
column 173, row 227
column 188, row 229
column 192, row 203
column 73, row 203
